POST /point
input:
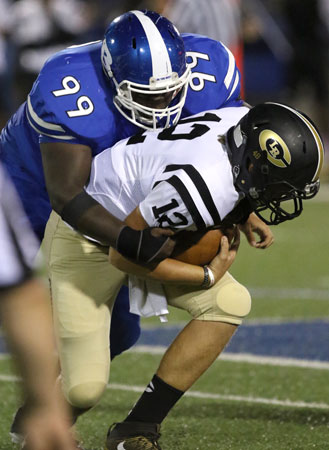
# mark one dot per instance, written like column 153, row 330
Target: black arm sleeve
column 141, row 246
column 75, row 208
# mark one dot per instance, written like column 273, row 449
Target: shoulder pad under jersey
column 72, row 100
column 215, row 80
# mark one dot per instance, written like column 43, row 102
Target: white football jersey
column 17, row 242
column 180, row 177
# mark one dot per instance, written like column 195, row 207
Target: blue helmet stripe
column 161, row 65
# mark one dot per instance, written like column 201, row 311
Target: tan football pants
column 84, row 286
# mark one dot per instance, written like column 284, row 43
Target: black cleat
column 133, row 436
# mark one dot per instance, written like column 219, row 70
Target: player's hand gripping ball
column 199, row 247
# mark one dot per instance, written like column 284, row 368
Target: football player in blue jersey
column 88, row 97
column 144, row 75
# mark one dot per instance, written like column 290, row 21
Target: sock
column 155, row 402
column 77, row 412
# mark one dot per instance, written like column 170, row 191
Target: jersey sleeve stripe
column 188, row 201
column 42, row 127
column 40, row 122
column 231, row 68
column 201, row 186
column 236, row 81
column 49, row 135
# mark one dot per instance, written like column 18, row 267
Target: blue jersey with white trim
column 215, row 80
column 72, row 101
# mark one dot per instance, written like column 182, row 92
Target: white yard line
column 245, row 358
column 274, row 361
column 285, row 320
column 289, row 292
column 235, row 398
column 209, row 396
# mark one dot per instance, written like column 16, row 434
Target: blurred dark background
column 281, row 46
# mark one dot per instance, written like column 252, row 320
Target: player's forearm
column 176, row 272
column 92, row 219
column 167, row 271
column 26, row 316
column 88, row 217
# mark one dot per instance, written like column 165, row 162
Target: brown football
column 195, row 247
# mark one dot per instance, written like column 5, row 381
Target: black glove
column 142, row 246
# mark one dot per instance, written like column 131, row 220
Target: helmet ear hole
column 264, row 169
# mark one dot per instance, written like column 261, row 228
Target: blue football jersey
column 215, row 80
column 72, row 101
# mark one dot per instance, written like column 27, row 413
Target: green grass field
column 235, row 405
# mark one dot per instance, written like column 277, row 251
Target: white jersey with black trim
column 180, row 177
column 17, row 242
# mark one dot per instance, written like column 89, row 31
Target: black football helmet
column 276, row 154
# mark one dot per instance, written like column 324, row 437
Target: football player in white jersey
column 27, row 321
column 219, row 167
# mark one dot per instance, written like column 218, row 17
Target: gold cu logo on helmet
column 275, row 147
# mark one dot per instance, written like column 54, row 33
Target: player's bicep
column 66, row 169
